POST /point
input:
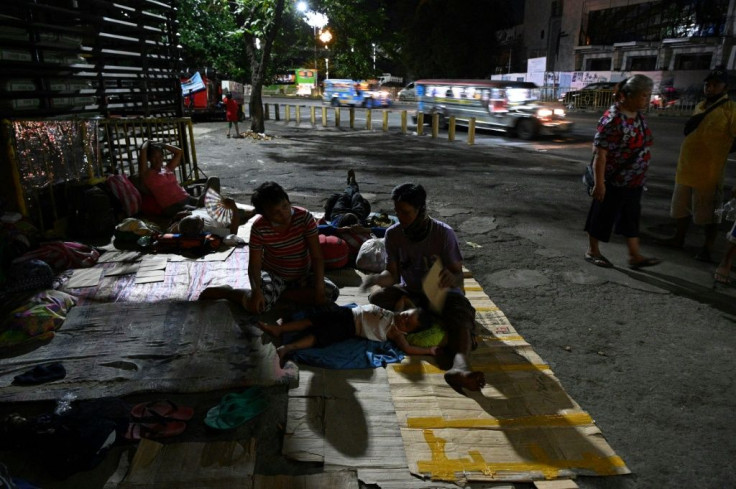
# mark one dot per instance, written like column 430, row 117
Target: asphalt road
column 649, row 354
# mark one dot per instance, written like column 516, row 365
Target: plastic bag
column 372, row 255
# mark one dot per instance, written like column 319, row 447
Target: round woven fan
column 215, row 208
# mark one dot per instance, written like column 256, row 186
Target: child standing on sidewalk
column 231, row 114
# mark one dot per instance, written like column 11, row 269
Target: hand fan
column 215, row 208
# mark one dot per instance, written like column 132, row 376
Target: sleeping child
column 368, row 321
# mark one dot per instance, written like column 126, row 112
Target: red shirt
column 231, row 110
column 285, row 253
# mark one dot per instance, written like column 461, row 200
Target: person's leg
column 305, row 294
column 237, row 129
column 599, row 223
column 387, row 297
column 272, row 287
column 458, row 316
column 284, row 351
column 360, row 206
column 705, row 202
column 276, row 330
column 723, row 272
column 229, row 127
column 681, row 210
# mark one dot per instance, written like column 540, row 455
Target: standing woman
column 622, row 154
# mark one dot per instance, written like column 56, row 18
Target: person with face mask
column 709, row 135
column 413, row 245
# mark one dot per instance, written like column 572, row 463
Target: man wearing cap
column 709, row 134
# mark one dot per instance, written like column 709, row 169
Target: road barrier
column 436, row 120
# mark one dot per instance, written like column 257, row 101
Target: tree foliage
column 209, row 38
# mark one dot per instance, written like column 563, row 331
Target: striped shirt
column 285, row 253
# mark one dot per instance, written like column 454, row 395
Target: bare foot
column 722, row 275
column 463, row 379
column 269, row 328
column 282, row 353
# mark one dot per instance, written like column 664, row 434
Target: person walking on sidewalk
column 232, row 113
column 622, row 154
column 413, row 245
column 709, row 135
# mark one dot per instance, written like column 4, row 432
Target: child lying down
column 368, row 321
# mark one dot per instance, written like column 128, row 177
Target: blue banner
column 194, row 84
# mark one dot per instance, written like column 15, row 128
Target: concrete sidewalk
column 646, row 353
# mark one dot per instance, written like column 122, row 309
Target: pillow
column 127, row 193
column 334, row 250
column 432, row 336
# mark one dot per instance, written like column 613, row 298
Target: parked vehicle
column 598, row 94
column 338, row 92
column 495, row 104
column 202, row 95
column 407, row 93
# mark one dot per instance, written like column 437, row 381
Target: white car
column 407, row 93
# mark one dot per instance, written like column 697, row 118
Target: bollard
column 385, row 121
column 277, row 116
column 451, row 129
column 435, row 125
column 337, row 116
column 298, row 110
column 420, row 123
column 265, row 112
column 471, row 131
column 368, row 121
column 324, row 116
column 403, row 122
column 313, row 114
column 287, row 113
column 352, row 117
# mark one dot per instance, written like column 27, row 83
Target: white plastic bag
column 372, row 255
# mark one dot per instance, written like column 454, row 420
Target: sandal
column 646, row 262
column 722, row 278
column 137, row 431
column 598, row 260
column 161, row 411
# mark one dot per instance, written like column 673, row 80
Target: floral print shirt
column 628, row 141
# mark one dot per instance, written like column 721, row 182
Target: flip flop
column 646, row 262
column 136, row 431
column 41, row 374
column 161, row 410
column 236, row 409
column 722, row 279
column 599, row 260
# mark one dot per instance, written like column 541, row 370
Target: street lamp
column 317, row 20
column 326, row 36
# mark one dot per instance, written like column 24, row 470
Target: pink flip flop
column 161, row 411
column 137, row 431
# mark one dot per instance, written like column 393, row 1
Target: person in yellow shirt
column 709, row 134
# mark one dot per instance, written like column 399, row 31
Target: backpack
column 127, row 193
column 92, row 214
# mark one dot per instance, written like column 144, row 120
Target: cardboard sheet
column 213, row 465
column 521, row 427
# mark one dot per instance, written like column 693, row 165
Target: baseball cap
column 718, row 74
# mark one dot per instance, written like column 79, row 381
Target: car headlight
column 544, row 113
column 560, row 112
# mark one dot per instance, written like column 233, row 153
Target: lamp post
column 326, row 36
column 316, row 20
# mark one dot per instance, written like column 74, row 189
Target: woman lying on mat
column 369, row 321
column 285, row 256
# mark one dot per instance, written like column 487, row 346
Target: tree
column 207, row 33
column 260, row 22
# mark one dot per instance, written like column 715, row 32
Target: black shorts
column 333, row 326
column 621, row 208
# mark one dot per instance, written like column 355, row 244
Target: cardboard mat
column 404, row 427
column 118, row 349
column 522, row 426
